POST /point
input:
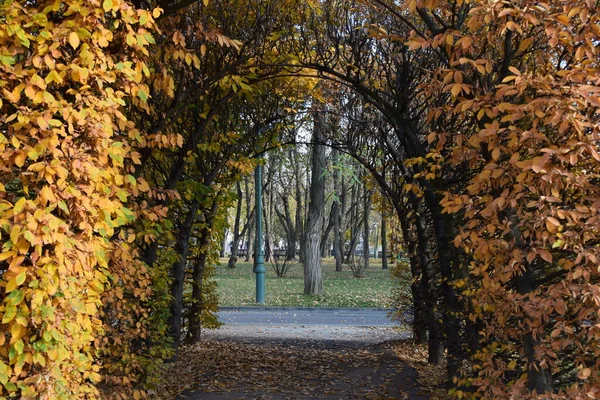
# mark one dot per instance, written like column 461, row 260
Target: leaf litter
column 300, row 369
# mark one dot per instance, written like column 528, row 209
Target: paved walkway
column 302, row 316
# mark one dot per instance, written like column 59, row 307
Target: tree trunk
column 288, row 226
column 434, row 328
column 251, row 238
column 366, row 213
column 451, row 324
column 351, row 222
column 343, row 201
column 539, row 378
column 223, row 244
column 299, row 211
column 235, row 244
column 384, row 253
column 267, row 234
column 178, row 269
column 337, row 220
column 406, row 216
column 313, row 275
column 325, row 237
column 249, row 219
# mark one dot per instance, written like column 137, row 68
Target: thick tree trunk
column 313, row 275
column 419, row 324
column 451, row 324
column 178, row 271
column 197, row 305
column 434, row 328
column 195, row 332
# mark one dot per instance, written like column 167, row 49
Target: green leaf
column 9, row 314
column 16, row 297
column 19, row 346
column 7, row 60
column 107, row 5
column 143, row 95
column 21, row 278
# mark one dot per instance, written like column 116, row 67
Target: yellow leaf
column 46, row 195
column 17, row 331
column 20, row 159
column 564, row 19
column 38, row 81
column 74, row 40
column 19, row 205
column 156, row 12
column 11, row 285
column 23, row 246
column 90, row 308
column 143, row 185
column 42, row 123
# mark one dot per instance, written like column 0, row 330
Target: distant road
column 301, row 316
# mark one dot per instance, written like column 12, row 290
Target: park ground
column 304, row 362
column 230, row 367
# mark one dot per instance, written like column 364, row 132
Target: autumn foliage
column 117, row 155
column 67, row 68
column 523, row 97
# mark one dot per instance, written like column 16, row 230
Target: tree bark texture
column 313, row 275
column 178, row 275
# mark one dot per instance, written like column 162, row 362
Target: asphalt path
column 300, row 316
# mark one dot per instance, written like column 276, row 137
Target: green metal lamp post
column 258, row 248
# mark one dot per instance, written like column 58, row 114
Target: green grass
column 236, row 287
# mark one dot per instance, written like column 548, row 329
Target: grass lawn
column 236, row 287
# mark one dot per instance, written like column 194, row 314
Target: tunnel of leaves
column 125, row 125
